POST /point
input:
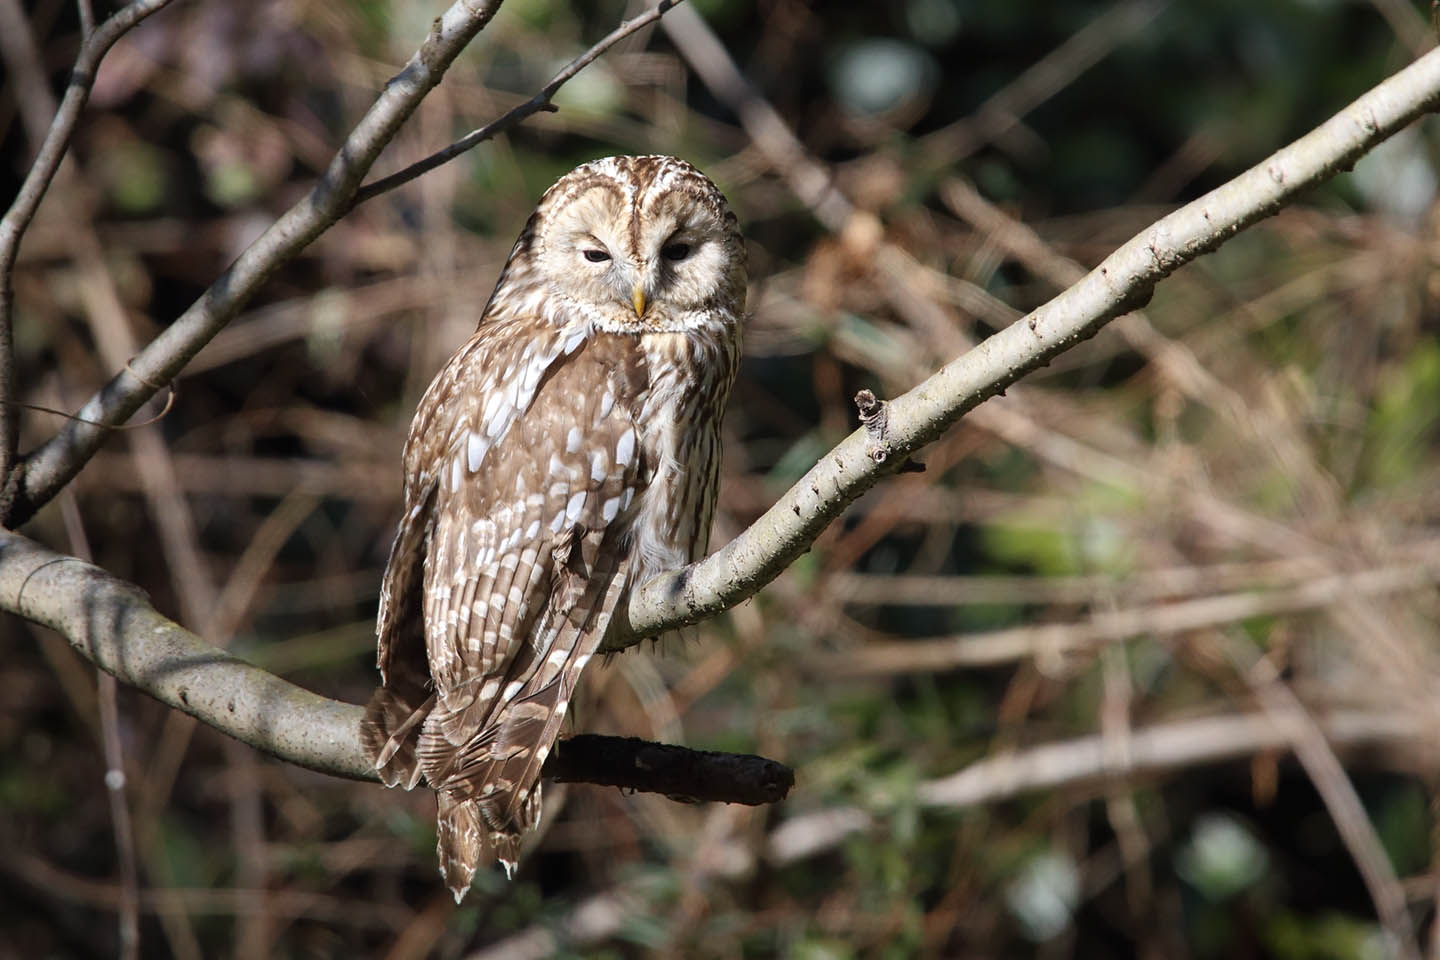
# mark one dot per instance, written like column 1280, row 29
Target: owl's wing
column 527, row 559
column 489, row 382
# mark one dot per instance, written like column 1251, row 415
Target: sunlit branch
column 111, row 623
column 1123, row 282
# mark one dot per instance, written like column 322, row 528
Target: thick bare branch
column 1124, row 281
column 111, row 623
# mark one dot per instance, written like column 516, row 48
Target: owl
column 568, row 451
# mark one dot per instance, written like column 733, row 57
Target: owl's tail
column 466, row 837
column 484, row 757
column 489, row 789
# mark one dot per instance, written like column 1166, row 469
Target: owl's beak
column 637, row 298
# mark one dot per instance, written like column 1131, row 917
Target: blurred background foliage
column 1250, row 466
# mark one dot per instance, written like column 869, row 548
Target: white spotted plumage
column 569, row 450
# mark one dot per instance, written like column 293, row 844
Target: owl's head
column 636, row 244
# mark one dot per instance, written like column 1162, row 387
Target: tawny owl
column 567, row 452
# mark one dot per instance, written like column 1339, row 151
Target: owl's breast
column 679, row 438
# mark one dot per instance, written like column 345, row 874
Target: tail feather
column 469, row 834
column 490, row 789
column 537, row 718
column 458, row 841
column 484, row 755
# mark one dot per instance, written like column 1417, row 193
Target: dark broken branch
column 681, row 774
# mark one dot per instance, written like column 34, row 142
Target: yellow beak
column 638, row 299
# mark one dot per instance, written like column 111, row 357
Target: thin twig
column 1408, row 25
column 1120, row 806
column 342, row 911
column 51, row 153
column 57, row 141
column 1001, row 113
column 807, row 179
column 52, row 465
column 1173, row 583
column 536, row 104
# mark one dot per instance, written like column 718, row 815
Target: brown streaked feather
column 500, row 696
column 580, row 634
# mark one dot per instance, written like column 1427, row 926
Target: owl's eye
column 675, row 251
column 596, row 256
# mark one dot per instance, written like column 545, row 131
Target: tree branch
column 1123, row 282
column 55, row 143
column 677, row 772
column 536, row 104
column 111, row 623
column 52, row 465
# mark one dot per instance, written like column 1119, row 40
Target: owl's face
column 640, row 245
